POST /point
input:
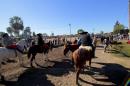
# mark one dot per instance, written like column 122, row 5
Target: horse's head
column 71, row 47
column 66, row 48
column 23, row 44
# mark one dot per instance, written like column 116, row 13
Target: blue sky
column 47, row 16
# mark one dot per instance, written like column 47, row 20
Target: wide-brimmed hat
column 5, row 34
column 82, row 32
column 39, row 34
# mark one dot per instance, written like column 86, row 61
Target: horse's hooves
column 32, row 66
column 89, row 68
column 3, row 63
column 76, row 83
column 21, row 65
column 2, row 78
column 47, row 60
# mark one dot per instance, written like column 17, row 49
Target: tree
column 9, row 30
column 44, row 34
column 52, row 34
column 126, row 31
column 118, row 27
column 16, row 24
column 101, row 32
column 34, row 34
column 1, row 33
column 122, row 31
column 27, row 31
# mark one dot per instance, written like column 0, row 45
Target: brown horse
column 79, row 57
column 70, row 47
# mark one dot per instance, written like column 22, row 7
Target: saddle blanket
column 86, row 47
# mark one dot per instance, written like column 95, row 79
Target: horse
column 34, row 49
column 70, row 47
column 6, row 53
column 79, row 58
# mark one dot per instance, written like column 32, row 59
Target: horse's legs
column 20, row 60
column 90, row 64
column 33, row 58
column 105, row 47
column 72, row 61
column 2, row 77
column 77, row 74
column 46, row 57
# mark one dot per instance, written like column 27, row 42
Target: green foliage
column 9, row 30
column 34, row 34
column 52, row 34
column 118, row 28
column 1, row 33
column 123, row 48
column 101, row 32
column 27, row 31
column 16, row 24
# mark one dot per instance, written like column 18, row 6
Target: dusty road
column 107, row 70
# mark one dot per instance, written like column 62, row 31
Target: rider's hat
column 5, row 34
column 39, row 34
column 82, row 32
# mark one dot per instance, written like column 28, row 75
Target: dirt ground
column 107, row 70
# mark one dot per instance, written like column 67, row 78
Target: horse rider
column 106, row 43
column 85, row 40
column 40, row 41
column 8, row 42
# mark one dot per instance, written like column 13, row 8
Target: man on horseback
column 85, row 41
column 39, row 42
column 8, row 42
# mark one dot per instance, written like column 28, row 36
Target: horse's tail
column 29, row 53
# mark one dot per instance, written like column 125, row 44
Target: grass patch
column 123, row 48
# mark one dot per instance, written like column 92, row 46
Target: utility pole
column 70, row 31
column 129, row 14
column 70, row 28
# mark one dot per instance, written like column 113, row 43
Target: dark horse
column 34, row 49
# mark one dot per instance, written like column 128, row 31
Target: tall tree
column 17, row 24
column 27, row 31
column 1, row 33
column 127, row 31
column 9, row 30
column 118, row 27
column 101, row 32
column 45, row 34
column 34, row 34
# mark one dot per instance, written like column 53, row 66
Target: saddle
column 45, row 46
column 88, row 48
column 13, row 47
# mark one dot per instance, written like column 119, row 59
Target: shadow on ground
column 37, row 76
column 115, row 73
column 30, row 77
